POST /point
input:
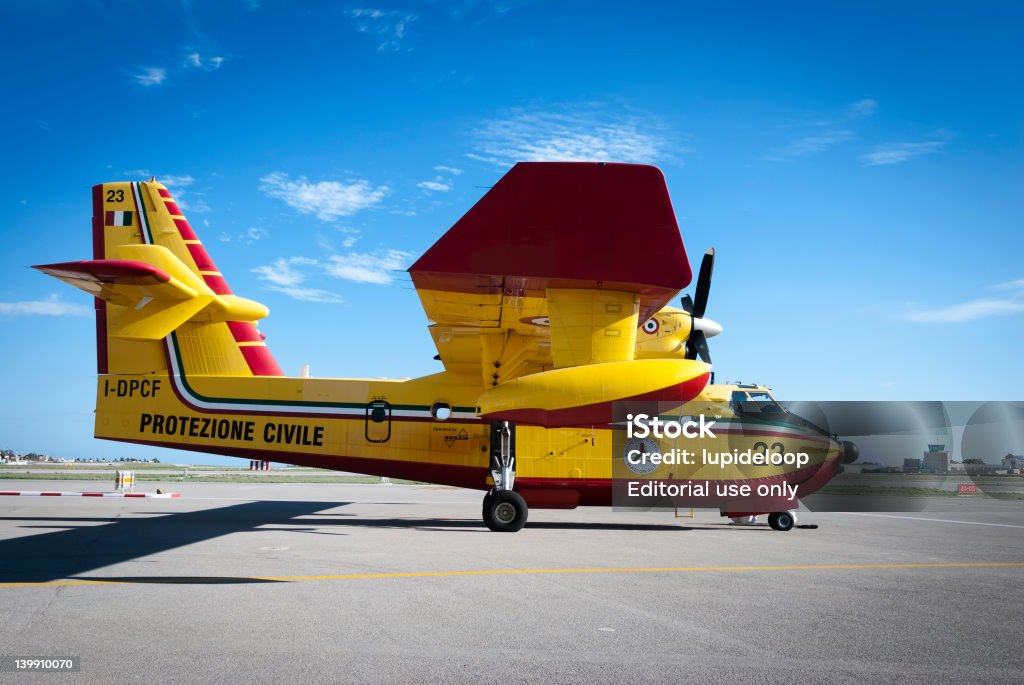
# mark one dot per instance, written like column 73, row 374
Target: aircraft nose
column 709, row 327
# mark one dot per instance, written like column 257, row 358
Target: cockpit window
column 755, row 402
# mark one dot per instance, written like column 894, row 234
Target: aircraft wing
column 554, row 267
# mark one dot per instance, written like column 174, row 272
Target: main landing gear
column 779, row 520
column 504, row 510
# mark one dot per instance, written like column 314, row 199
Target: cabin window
column 755, row 402
column 441, row 411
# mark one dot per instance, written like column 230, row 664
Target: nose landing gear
column 782, row 520
column 779, row 520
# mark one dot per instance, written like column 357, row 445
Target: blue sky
column 858, row 167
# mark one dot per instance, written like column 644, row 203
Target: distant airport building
column 1013, row 462
column 911, row 466
column 936, row 459
column 977, row 467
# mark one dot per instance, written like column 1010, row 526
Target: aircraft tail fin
column 153, row 281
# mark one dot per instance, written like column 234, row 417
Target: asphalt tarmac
column 403, row 584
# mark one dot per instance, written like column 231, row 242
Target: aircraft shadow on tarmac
column 69, row 553
column 477, row 526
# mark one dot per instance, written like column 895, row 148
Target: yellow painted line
column 193, row 242
column 252, row 344
column 209, row 273
column 518, row 572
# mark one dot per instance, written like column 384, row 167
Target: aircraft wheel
column 781, row 520
column 504, row 511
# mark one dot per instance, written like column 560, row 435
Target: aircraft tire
column 504, row 511
column 781, row 520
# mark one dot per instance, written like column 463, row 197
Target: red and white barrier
column 46, row 493
column 259, row 465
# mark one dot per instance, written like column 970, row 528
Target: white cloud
column 897, row 153
column 328, row 200
column 387, row 26
column 309, row 294
column 197, row 206
column 438, row 184
column 281, row 271
column 572, row 134
column 283, row 277
column 824, row 134
column 194, row 60
column 177, row 183
column 1012, row 303
column 1011, row 285
column 150, row 76
column 811, row 144
column 250, row 236
column 53, row 306
column 862, row 108
column 968, row 311
column 376, row 268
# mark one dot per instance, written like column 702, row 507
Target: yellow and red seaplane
column 549, row 302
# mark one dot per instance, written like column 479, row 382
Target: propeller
column 702, row 328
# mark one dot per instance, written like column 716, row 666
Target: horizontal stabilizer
column 157, row 291
column 119, row 281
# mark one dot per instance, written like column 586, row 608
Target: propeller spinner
column 702, row 327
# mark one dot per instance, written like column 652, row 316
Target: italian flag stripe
column 119, row 219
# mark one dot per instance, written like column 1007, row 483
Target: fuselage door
column 378, row 421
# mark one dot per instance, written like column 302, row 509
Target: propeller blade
column 697, row 346
column 687, row 303
column 707, row 265
column 701, row 343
